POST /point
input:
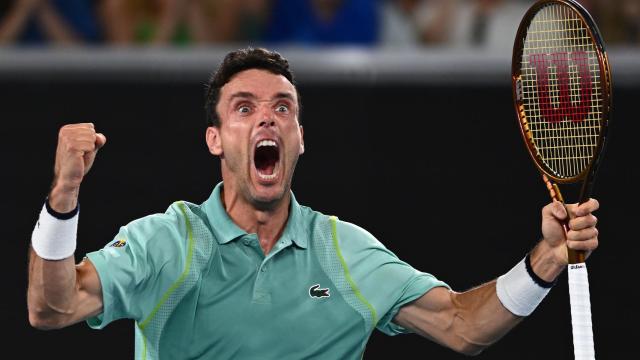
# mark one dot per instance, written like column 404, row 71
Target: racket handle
column 583, row 347
column 574, row 256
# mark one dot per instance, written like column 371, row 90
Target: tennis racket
column 562, row 96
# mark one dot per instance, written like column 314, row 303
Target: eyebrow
column 242, row 94
column 250, row 95
column 284, row 95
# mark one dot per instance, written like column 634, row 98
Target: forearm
column 480, row 319
column 52, row 291
column 52, row 283
column 466, row 322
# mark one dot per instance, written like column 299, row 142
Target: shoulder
column 354, row 238
column 347, row 237
column 168, row 229
column 171, row 219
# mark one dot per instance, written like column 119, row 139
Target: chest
column 246, row 302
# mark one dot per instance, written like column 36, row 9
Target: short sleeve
column 385, row 281
column 138, row 266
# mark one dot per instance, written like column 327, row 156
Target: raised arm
column 470, row 321
column 61, row 293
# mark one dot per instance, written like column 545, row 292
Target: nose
column 266, row 116
column 267, row 123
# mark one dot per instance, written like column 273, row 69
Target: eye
column 244, row 109
column 282, row 108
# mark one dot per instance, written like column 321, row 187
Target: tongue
column 266, row 170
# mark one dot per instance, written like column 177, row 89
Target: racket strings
column 562, row 98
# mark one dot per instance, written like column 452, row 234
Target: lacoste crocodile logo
column 314, row 292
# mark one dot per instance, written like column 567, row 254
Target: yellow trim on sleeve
column 347, row 275
column 182, row 277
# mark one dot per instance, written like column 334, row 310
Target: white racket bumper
column 581, row 312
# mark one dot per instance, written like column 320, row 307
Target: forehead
column 261, row 83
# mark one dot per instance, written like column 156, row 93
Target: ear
column 214, row 142
column 301, row 141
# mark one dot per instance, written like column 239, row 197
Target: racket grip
column 574, row 256
column 581, row 312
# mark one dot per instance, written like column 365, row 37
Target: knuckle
column 573, row 224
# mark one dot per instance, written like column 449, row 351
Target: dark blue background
column 438, row 173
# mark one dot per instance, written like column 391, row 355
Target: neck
column 267, row 223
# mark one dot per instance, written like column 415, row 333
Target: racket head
column 561, row 83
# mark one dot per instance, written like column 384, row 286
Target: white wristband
column 54, row 238
column 518, row 291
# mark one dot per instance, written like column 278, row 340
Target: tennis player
column 251, row 273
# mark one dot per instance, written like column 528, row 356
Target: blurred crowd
column 390, row 23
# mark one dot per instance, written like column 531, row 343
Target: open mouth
column 266, row 159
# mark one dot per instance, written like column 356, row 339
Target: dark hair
column 238, row 61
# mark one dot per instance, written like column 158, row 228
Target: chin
column 268, row 199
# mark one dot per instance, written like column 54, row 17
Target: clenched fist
column 76, row 151
column 582, row 233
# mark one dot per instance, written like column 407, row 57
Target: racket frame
column 588, row 173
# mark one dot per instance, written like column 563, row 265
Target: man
column 250, row 273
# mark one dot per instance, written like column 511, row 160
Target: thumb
column 100, row 141
column 557, row 210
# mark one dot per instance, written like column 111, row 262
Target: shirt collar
column 225, row 230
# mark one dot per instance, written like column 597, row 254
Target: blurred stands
column 393, row 23
column 412, row 40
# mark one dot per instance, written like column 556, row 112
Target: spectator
column 251, row 18
column 491, row 24
column 324, row 22
column 631, row 21
column 618, row 20
column 48, row 21
column 415, row 22
column 181, row 22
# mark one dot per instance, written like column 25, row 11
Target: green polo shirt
column 199, row 287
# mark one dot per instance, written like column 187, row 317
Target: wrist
column 534, row 276
column 63, row 198
column 54, row 236
column 544, row 262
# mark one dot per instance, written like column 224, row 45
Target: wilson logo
column 316, row 292
column 564, row 85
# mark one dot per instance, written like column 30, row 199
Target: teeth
column 267, row 177
column 267, row 143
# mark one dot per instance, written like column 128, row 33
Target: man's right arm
column 61, row 293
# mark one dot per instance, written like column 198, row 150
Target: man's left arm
column 470, row 321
